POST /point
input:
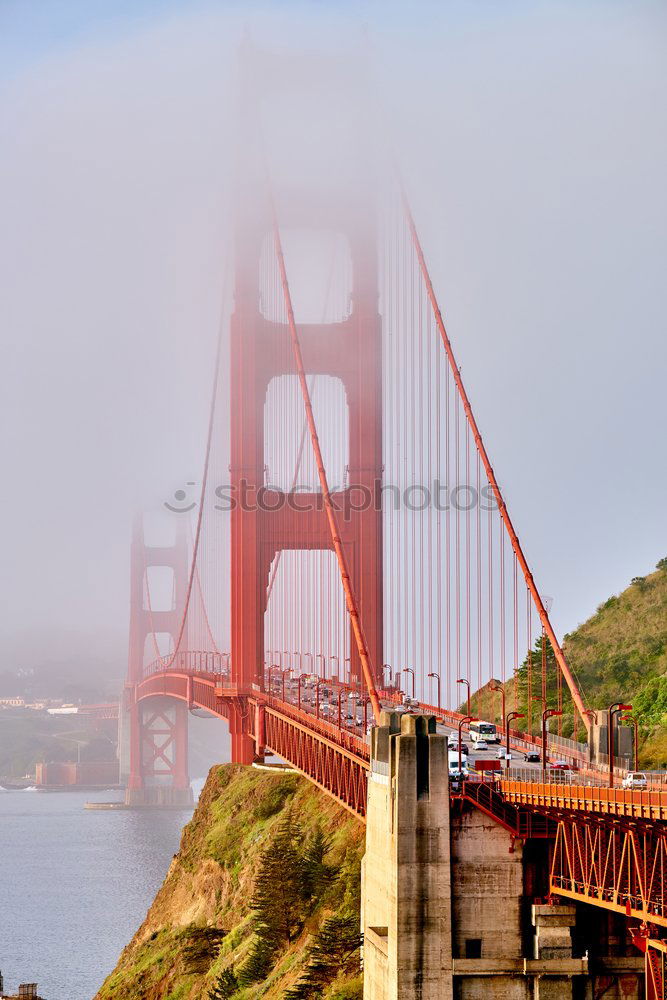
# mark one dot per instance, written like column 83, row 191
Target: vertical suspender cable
column 539, row 604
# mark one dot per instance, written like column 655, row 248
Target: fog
column 533, row 145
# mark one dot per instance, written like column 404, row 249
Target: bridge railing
column 192, row 660
column 655, row 782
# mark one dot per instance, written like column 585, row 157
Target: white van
column 635, row 779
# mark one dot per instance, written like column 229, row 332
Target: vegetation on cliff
column 619, row 654
column 262, row 899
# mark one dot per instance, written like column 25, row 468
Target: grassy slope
column 620, row 653
column 210, row 882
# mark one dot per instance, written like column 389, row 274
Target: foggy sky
column 533, row 142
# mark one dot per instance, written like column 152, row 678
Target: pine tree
column 277, row 900
column 225, row 986
column 335, row 950
column 259, row 962
column 278, row 895
column 317, row 874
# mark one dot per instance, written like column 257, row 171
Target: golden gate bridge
column 352, row 544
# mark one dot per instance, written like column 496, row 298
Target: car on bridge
column 481, row 745
column 532, row 757
column 559, row 765
column 456, row 776
column 635, row 779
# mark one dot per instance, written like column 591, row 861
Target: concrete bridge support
column 406, row 890
column 447, row 906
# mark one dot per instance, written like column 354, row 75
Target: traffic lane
column 329, row 712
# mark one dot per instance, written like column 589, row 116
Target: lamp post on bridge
column 509, row 717
column 334, row 657
column 464, row 680
column 283, row 671
column 367, row 702
column 548, row 713
column 495, row 686
column 355, row 701
column 410, row 670
column 274, row 666
column 466, row 718
column 614, row 710
column 633, row 723
column 437, row 677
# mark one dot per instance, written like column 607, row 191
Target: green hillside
column 619, row 654
column 262, row 899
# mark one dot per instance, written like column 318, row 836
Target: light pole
column 366, row 704
column 613, row 710
column 274, row 666
column 464, row 680
column 633, row 723
column 466, row 718
column 508, row 719
column 548, row 713
column 410, row 670
column 283, row 671
column 355, row 700
column 495, row 686
column 334, row 657
column 437, row 677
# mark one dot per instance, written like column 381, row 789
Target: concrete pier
column 406, row 871
column 447, row 907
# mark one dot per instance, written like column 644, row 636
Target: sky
column 533, row 143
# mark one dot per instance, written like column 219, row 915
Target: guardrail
column 587, row 778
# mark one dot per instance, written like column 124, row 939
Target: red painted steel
column 618, row 866
column 338, row 771
column 146, row 741
column 615, row 802
column 329, row 506
column 654, row 965
column 260, row 350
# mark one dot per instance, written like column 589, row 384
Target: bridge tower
column 154, row 754
column 348, row 349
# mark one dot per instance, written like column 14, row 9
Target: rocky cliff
column 262, row 899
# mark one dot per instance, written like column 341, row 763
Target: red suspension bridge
column 352, row 543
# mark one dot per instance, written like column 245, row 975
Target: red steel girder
column 614, row 865
column 522, row 823
column 333, row 768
